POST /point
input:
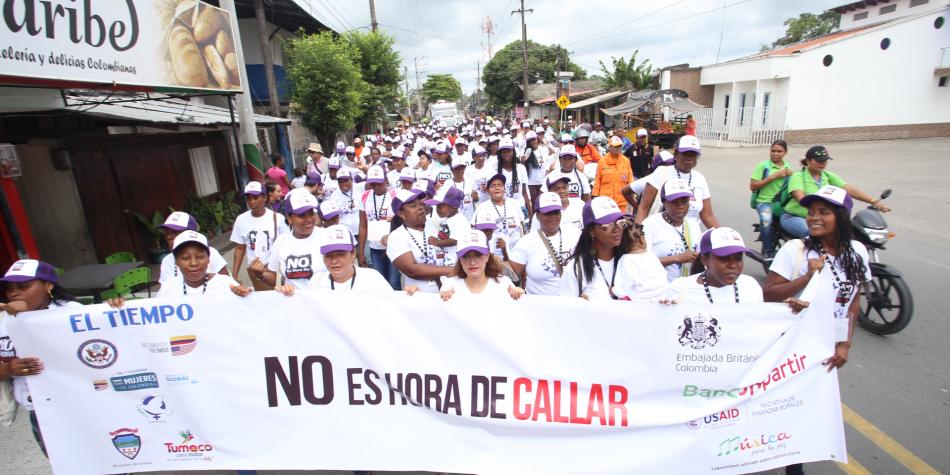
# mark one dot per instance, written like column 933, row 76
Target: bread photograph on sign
column 198, row 50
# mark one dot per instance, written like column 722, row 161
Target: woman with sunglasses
column 591, row 271
column 672, row 235
column 541, row 254
column 29, row 285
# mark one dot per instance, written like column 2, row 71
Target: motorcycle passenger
column 812, row 177
column 587, row 152
column 768, row 178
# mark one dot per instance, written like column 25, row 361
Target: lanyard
column 613, row 276
column 424, row 250
column 735, row 289
column 333, row 284
column 376, row 206
column 689, row 183
column 684, row 236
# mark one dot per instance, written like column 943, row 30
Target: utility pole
column 524, row 52
column 405, row 75
column 372, row 15
column 478, row 83
column 415, row 62
column 248, row 146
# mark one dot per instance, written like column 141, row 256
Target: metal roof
column 159, row 109
column 596, row 99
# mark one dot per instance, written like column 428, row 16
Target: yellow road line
column 853, row 467
column 906, row 458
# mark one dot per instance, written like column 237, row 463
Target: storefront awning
column 595, row 100
column 160, row 110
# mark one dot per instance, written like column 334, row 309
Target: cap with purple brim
column 478, row 151
column 688, row 143
column 190, row 237
column 333, row 163
column 472, row 241
column 663, row 158
column 300, row 203
column 556, row 177
column 340, row 147
column 424, row 185
column 180, row 221
column 447, row 195
column 459, row 161
column 337, row 238
column 547, row 202
column 254, row 188
column 407, row 174
column 25, row 270
column 329, row 209
column 497, row 176
column 567, row 150
column 485, row 220
column 313, row 179
column 375, row 174
column 601, row 210
column 831, row 194
column 674, row 190
column 405, row 196
column 344, row 175
column 506, row 144
column 722, row 242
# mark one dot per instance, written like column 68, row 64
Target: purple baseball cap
column 556, row 177
column 547, row 202
column 376, row 174
column 831, row 194
column 340, row 147
column 180, row 221
column 473, row 240
column 337, row 238
column 313, row 179
column 254, row 188
column 329, row 209
column 674, row 190
column 26, row 270
column 299, row 202
column 663, row 158
column 722, row 242
column 497, row 176
column 447, row 195
column 600, row 210
column 405, row 196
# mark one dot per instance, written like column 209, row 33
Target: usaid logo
column 718, row 419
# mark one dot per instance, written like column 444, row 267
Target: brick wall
column 882, row 132
column 688, row 81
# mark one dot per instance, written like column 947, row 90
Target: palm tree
column 627, row 74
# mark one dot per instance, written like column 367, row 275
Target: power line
column 600, row 35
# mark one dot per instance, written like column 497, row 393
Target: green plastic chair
column 60, row 271
column 129, row 282
column 120, row 257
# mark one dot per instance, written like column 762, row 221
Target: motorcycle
column 887, row 305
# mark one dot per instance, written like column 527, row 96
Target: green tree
column 328, row 88
column 807, row 26
column 379, row 66
column 441, row 87
column 503, row 73
column 626, row 74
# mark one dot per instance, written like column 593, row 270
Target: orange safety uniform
column 613, row 173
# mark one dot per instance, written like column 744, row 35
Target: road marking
column 906, row 458
column 853, row 467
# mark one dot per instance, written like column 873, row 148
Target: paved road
column 899, row 386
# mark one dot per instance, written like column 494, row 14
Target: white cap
column 299, row 201
column 641, row 132
column 375, row 174
column 472, row 240
column 568, row 149
column 675, row 189
column 479, row 150
column 459, row 161
column 548, row 202
column 722, row 242
column 337, row 238
column 539, row 130
column 525, row 124
column 485, row 218
column 407, row 174
column 190, row 236
column 688, row 143
column 180, row 221
column 333, row 162
column 530, row 135
column 506, row 144
column 566, row 138
column 460, row 141
column 329, row 209
column 350, row 149
column 254, row 188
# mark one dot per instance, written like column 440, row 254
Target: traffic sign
column 562, row 102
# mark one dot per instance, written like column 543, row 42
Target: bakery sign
column 127, row 44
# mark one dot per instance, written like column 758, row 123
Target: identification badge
column 841, row 329
column 845, row 289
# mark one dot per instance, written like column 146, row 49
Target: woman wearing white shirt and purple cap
column 591, row 271
column 509, row 219
column 542, row 253
column 477, row 271
column 175, row 224
column 294, row 256
column 721, row 251
column 684, row 169
column 671, row 234
column 407, row 244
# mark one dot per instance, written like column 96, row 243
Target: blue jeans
column 794, row 225
column 382, row 264
column 766, row 231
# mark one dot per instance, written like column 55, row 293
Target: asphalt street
column 896, row 389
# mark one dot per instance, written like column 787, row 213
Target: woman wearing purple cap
column 683, row 169
column 294, row 257
column 477, row 271
column 478, row 174
column 407, row 245
column 29, row 285
column 591, row 272
column 509, row 218
column 255, row 230
column 721, row 253
column 177, row 223
column 672, row 234
column 541, row 254
column 376, row 213
column 345, row 199
column 829, row 245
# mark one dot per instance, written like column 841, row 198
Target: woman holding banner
column 672, row 235
column 477, row 271
column 407, row 245
column 28, row 285
column 591, row 272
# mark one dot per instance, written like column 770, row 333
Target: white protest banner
column 126, row 44
column 335, row 380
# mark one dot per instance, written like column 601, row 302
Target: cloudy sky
column 445, row 36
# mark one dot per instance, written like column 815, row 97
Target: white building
column 884, row 74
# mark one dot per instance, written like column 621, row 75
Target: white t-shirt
column 689, row 289
column 405, row 239
column 349, row 213
column 365, row 280
column 572, row 216
column 468, row 204
column 509, row 219
column 440, row 172
column 258, row 233
column 577, row 188
column 8, row 351
column 640, row 278
column 329, row 185
column 392, row 179
column 522, row 180
column 377, row 208
column 298, row 182
column 479, row 179
column 664, row 240
column 297, row 260
column 536, row 175
column 170, row 270
column 447, row 228
column 793, row 251
column 217, row 284
column 695, row 180
column 540, row 267
column 597, row 289
column 494, row 289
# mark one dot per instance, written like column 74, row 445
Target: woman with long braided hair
column 829, row 244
